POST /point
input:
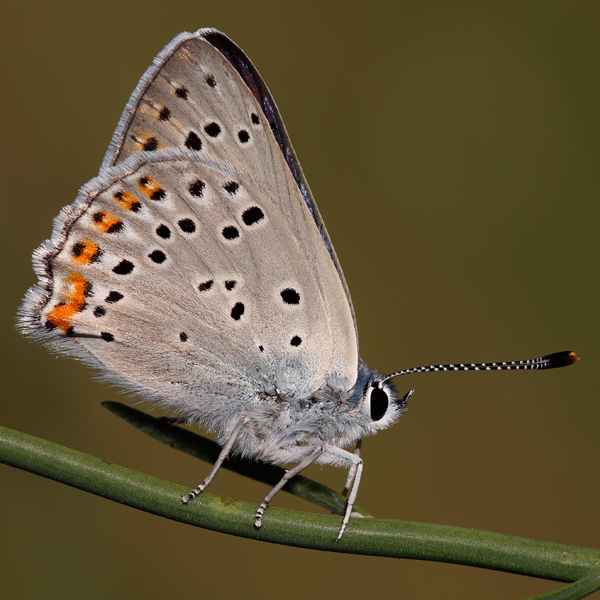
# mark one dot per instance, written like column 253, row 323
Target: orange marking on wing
column 149, row 186
column 127, row 200
column 87, row 251
column 107, row 223
column 148, row 143
column 62, row 314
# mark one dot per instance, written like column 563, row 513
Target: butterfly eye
column 379, row 403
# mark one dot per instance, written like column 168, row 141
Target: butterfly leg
column 352, row 469
column 224, row 453
column 343, row 458
column 309, row 460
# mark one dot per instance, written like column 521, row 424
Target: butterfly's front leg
column 352, row 469
column 343, row 458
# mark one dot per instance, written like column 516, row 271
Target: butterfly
column 195, row 270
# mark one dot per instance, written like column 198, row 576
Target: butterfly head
column 377, row 401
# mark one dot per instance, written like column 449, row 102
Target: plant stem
column 400, row 539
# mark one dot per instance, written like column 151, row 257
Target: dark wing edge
column 244, row 67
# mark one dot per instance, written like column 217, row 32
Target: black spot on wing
column 230, row 232
column 231, row 187
column 196, row 188
column 237, row 311
column 113, row 297
column 124, row 267
column 157, row 256
column 193, row 142
column 187, row 225
column 182, row 93
column 252, row 215
column 205, row 285
column 290, row 296
column 150, row 144
column 163, row 232
column 212, row 129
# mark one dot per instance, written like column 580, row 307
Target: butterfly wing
column 195, row 272
column 203, row 91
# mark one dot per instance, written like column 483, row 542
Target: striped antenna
column 550, row 361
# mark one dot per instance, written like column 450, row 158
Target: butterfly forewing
column 194, row 99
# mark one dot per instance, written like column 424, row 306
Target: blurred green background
column 453, row 149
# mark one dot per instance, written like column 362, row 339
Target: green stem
column 378, row 537
column 580, row 589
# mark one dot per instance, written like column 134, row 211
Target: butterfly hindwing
column 184, row 263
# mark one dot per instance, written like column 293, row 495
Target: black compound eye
column 379, row 403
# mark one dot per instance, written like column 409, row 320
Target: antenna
column 550, row 361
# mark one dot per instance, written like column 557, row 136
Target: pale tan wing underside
column 185, row 285
column 242, row 296
column 194, row 98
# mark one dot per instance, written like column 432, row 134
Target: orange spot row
column 62, row 314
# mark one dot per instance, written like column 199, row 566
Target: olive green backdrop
column 453, row 149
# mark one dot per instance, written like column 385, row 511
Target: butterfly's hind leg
column 352, row 469
column 309, row 460
column 224, row 454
